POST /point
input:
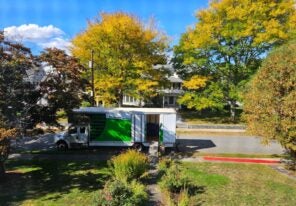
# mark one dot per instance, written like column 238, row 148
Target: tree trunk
column 2, row 169
column 293, row 156
column 232, row 110
column 120, row 99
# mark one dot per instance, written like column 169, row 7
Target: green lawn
column 241, row 184
column 77, row 182
column 52, row 182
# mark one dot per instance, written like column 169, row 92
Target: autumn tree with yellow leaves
column 228, row 43
column 125, row 50
column 201, row 94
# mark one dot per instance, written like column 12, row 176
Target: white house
column 167, row 97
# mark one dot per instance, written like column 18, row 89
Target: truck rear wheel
column 138, row 147
column 62, row 146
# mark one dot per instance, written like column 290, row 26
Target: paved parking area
column 226, row 144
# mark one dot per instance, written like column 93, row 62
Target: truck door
column 168, row 128
column 82, row 134
column 73, row 134
column 138, row 127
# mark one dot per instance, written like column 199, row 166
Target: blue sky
column 42, row 23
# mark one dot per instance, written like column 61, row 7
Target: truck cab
column 74, row 136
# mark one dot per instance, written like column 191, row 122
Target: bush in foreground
column 176, row 186
column 129, row 165
column 5, row 136
column 118, row 193
column 124, row 189
column 174, row 180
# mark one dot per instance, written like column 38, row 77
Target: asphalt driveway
column 226, row 144
column 186, row 143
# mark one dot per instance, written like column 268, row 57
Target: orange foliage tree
column 270, row 104
column 5, row 136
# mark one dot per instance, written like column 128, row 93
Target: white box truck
column 135, row 127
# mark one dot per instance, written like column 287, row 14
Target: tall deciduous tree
column 125, row 50
column 229, row 41
column 270, row 104
column 63, row 87
column 17, row 94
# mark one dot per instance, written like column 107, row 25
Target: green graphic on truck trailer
column 161, row 133
column 105, row 129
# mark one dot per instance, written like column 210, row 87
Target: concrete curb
column 211, row 130
column 210, row 126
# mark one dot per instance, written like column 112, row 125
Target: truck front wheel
column 62, row 146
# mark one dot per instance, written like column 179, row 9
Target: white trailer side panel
column 168, row 122
column 138, row 127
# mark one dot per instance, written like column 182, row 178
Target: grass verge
column 241, row 184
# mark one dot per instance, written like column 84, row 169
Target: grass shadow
column 34, row 179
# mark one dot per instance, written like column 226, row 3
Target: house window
column 171, row 100
column 177, row 85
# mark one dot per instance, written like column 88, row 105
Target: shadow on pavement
column 193, row 145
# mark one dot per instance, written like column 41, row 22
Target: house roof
column 175, row 79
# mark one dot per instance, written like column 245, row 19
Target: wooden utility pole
column 92, row 78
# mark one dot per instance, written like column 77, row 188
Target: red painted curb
column 242, row 160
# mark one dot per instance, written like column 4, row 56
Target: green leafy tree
column 18, row 96
column 228, row 43
column 201, row 93
column 63, row 87
column 125, row 50
column 270, row 104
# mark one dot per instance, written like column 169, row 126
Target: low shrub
column 118, row 193
column 163, row 165
column 129, row 165
column 289, row 160
column 174, row 180
column 176, row 186
column 184, row 198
